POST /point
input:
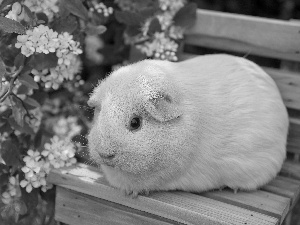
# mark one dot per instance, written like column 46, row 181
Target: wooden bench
column 84, row 197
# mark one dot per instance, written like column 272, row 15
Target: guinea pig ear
column 163, row 107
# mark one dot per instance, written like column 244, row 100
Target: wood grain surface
column 247, row 34
column 261, row 207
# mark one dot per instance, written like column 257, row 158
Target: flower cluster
column 12, row 192
column 42, row 39
column 35, row 171
column 67, row 128
column 101, row 8
column 56, row 154
column 172, row 5
column 161, row 47
column 49, row 7
column 54, row 77
column 163, row 44
column 59, row 152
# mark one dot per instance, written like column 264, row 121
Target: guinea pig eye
column 135, row 123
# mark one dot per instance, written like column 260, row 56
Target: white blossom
column 35, row 171
column 92, row 45
column 59, row 152
column 12, row 191
column 99, row 7
column 161, row 47
column 42, row 39
column 67, row 128
column 171, row 5
column 14, row 13
column 176, row 32
column 49, row 7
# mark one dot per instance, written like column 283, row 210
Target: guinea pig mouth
column 108, row 160
column 108, row 163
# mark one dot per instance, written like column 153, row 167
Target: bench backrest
column 263, row 37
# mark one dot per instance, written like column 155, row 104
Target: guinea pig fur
column 201, row 124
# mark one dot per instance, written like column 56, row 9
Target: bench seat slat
column 178, row 206
column 284, row 186
column 259, row 201
column 291, row 169
column 237, row 46
column 76, row 208
column 279, row 39
column 294, row 136
column 289, row 86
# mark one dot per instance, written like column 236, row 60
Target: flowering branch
column 11, row 84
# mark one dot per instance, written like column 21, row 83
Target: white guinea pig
column 201, row 124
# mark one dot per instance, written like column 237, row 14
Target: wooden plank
column 258, row 201
column 294, row 136
column 291, row 169
column 259, row 36
column 237, row 46
column 76, row 208
column 284, row 186
column 178, row 206
column 288, row 84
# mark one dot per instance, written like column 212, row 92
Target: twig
column 11, row 84
column 27, row 112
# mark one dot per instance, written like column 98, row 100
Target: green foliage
column 11, row 26
column 186, row 16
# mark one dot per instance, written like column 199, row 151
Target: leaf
column 77, row 8
column 42, row 61
column 63, row 11
column 19, row 60
column 3, row 179
column 68, row 24
column 42, row 17
column 129, row 18
column 186, row 16
column 30, row 199
column 18, row 111
column 40, row 96
column 94, row 30
column 26, row 129
column 5, row 128
column 23, row 90
column 2, row 69
column 148, row 12
column 5, row 3
column 29, row 17
column 28, row 81
column 10, row 153
column 6, row 113
column 154, row 26
column 11, row 26
column 32, row 102
column 132, row 31
column 38, row 139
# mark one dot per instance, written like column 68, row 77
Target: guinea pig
column 196, row 125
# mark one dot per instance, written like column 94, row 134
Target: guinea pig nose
column 107, row 156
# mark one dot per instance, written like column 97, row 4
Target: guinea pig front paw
column 131, row 193
column 235, row 190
